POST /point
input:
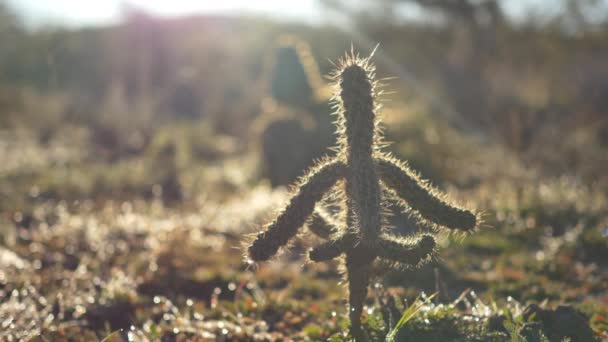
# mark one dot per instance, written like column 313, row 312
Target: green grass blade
column 408, row 314
column 107, row 338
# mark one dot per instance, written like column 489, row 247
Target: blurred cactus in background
column 295, row 79
column 360, row 234
column 166, row 154
column 295, row 126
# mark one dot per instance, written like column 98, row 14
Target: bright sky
column 78, row 12
column 82, row 12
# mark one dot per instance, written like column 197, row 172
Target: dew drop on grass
column 540, row 256
column 34, row 191
column 79, row 311
column 231, row 286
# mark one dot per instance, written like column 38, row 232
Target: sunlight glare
column 100, row 12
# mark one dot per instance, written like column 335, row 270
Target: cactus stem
column 367, row 173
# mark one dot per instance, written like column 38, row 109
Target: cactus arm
column 322, row 225
column 409, row 253
column 327, row 250
column 300, row 206
column 422, row 197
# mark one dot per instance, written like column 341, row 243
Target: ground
column 119, row 250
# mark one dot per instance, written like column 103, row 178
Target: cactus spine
column 366, row 171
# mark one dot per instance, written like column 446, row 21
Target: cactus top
column 358, row 103
column 355, row 95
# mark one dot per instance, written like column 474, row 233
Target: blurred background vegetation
column 508, row 110
column 534, row 83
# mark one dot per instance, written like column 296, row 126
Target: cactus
column 294, row 128
column 295, row 78
column 358, row 235
column 165, row 153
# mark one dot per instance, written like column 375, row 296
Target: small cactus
column 359, row 235
column 294, row 128
column 295, row 78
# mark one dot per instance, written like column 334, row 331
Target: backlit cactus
column 295, row 127
column 357, row 176
column 295, row 78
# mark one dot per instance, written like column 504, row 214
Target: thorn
column 374, row 51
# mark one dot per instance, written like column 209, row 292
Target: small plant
column 408, row 314
column 295, row 80
column 294, row 127
column 358, row 234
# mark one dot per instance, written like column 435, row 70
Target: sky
column 80, row 12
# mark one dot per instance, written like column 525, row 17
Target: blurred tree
column 471, row 29
column 10, row 26
column 10, row 30
column 505, row 76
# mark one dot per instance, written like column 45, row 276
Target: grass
column 123, row 211
column 408, row 314
column 122, row 263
